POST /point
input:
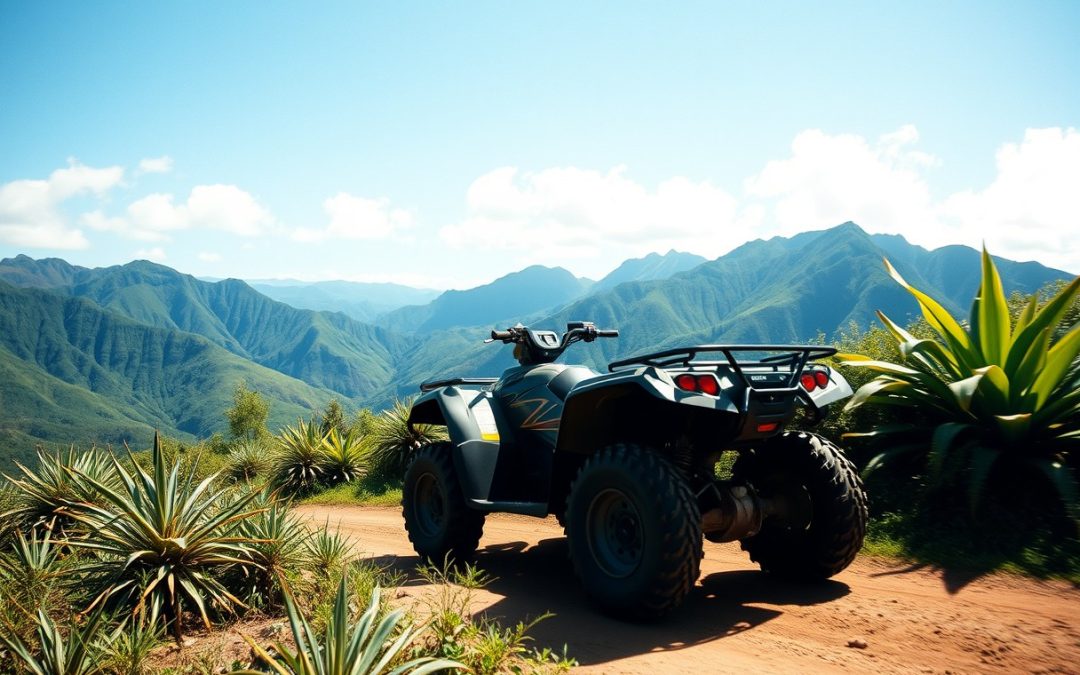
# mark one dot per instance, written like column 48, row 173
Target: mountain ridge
column 124, row 340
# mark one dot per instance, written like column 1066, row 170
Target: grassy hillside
column 326, row 350
column 74, row 371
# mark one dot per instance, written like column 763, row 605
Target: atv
column 627, row 462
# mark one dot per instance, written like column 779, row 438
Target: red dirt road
column 738, row 620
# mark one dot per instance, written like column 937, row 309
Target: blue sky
column 445, row 144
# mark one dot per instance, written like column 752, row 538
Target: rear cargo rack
column 797, row 356
column 435, row 384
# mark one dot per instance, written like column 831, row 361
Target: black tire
column 437, row 519
column 825, row 500
column 634, row 532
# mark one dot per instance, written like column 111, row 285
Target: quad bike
column 627, row 463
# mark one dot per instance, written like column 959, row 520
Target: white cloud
column 30, row 210
column 354, row 217
column 161, row 164
column 569, row 212
column 209, row 256
column 227, row 208
column 829, row 179
column 155, row 254
column 1032, row 209
column 215, row 207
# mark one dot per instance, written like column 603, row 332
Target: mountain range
column 104, row 355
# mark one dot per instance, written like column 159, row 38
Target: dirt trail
column 738, row 620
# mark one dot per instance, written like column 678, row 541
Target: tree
column 247, row 417
column 363, row 422
column 333, row 418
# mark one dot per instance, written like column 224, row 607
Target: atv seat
column 561, row 384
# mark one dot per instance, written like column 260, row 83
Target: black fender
column 641, row 405
column 468, row 416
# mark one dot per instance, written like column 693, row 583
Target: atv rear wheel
column 437, row 519
column 818, row 504
column 634, row 531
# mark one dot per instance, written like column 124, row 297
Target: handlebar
column 543, row 346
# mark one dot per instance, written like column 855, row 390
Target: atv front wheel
column 634, row 531
column 817, row 501
column 437, row 519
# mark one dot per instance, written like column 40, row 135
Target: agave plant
column 343, row 457
column 278, row 546
column 31, row 565
column 299, row 463
column 327, row 550
column 129, row 650
column 59, row 480
column 369, row 647
column 79, row 654
column 990, row 393
column 391, row 440
column 164, row 538
column 247, row 461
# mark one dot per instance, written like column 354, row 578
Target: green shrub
column 248, row 461
column 391, row 440
column 995, row 397
column 343, row 457
column 164, row 538
column 368, row 646
column 43, row 495
column 277, row 547
column 299, row 464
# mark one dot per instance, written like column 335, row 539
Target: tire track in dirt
column 737, row 619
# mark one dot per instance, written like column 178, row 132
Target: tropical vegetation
column 104, row 555
column 995, row 396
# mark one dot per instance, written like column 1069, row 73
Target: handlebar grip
column 607, row 333
column 501, row 335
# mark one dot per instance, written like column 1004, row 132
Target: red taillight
column 766, row 428
column 687, row 382
column 808, row 382
column 708, row 385
column 822, row 378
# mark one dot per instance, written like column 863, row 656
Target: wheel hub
column 430, row 505
column 614, row 533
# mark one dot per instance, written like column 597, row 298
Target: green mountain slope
column 38, row 407
column 361, row 301
column 129, row 376
column 514, row 296
column 327, row 350
column 778, row 290
column 652, row 266
column 119, row 350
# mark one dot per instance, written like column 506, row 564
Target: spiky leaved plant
column 278, row 547
column 298, row 466
column 371, row 646
column 79, row 653
column 343, row 457
column 248, row 461
column 163, row 537
column 59, row 480
column 391, row 440
column 992, row 394
column 326, row 550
